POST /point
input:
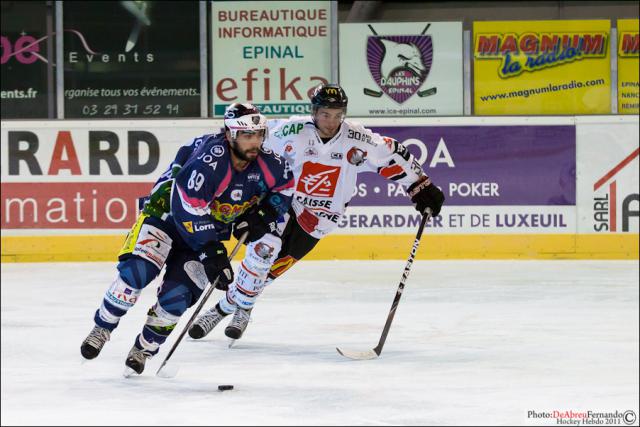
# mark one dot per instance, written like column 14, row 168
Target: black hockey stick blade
column 371, row 92
column 427, row 92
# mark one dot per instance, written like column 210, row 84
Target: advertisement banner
column 269, row 53
column 541, row 67
column 402, row 69
column 26, row 63
column 498, row 179
column 85, row 175
column 131, row 59
column 628, row 80
column 608, row 189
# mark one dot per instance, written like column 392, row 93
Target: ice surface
column 473, row 342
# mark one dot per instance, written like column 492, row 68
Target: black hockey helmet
column 329, row 95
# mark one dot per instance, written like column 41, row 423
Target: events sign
column 269, row 53
column 131, row 59
column 402, row 69
column 26, row 63
column 542, row 67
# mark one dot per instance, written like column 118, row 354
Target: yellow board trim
column 360, row 247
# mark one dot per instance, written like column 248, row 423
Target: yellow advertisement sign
column 628, row 47
column 542, row 67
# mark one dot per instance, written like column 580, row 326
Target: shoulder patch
column 217, row 150
column 291, row 128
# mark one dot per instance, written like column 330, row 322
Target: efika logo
column 399, row 64
column 536, row 51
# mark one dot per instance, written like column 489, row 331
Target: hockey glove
column 216, row 265
column 258, row 221
column 426, row 195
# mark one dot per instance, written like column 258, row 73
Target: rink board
column 362, row 247
column 515, row 187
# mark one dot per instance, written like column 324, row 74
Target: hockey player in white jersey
column 326, row 153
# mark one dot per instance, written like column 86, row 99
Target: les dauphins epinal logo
column 399, row 64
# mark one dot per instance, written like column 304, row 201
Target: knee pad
column 175, row 297
column 254, row 268
column 118, row 299
column 121, row 295
column 137, row 272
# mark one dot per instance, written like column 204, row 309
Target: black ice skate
column 136, row 360
column 92, row 345
column 205, row 323
column 238, row 324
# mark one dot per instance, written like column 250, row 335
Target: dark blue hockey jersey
column 208, row 194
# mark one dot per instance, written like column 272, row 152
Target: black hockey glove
column 217, row 265
column 426, row 195
column 258, row 221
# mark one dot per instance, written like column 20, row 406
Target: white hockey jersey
column 326, row 173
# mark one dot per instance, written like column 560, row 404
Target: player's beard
column 246, row 155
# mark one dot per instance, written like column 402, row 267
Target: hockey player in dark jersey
column 190, row 212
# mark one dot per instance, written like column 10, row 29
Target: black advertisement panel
column 131, row 59
column 27, row 52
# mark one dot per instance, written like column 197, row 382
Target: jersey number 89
column 195, row 181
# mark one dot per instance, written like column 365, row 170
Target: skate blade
column 128, row 373
column 232, row 341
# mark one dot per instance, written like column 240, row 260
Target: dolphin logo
column 401, row 55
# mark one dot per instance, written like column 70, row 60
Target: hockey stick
column 203, row 300
column 371, row 92
column 372, row 354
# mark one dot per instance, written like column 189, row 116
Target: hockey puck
column 225, row 387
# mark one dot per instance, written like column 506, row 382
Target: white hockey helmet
column 244, row 118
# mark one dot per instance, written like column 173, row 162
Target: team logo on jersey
column 399, row 64
column 253, row 177
column 217, row 150
column 356, row 156
column 318, row 180
column 236, row 195
column 311, row 151
column 188, row 226
column 263, row 250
